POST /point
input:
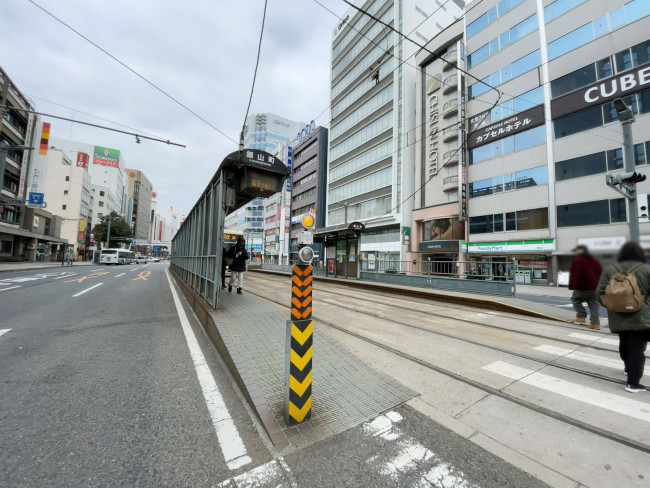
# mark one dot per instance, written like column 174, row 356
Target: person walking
column 583, row 280
column 633, row 328
column 225, row 260
column 239, row 257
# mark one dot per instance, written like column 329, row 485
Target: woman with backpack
column 624, row 289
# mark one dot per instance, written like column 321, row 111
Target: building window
column 533, row 219
column 46, row 226
column 510, row 72
column 504, row 40
column 11, row 182
column 65, row 192
column 490, row 16
column 63, row 207
column 101, row 193
column 630, row 12
column 599, row 212
column 553, row 10
column 6, row 247
column 518, row 142
column 101, row 204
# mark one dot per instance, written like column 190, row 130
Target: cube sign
column 82, row 160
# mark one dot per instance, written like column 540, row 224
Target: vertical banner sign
column 39, row 161
column 289, row 161
column 298, row 351
column 82, row 160
column 26, row 155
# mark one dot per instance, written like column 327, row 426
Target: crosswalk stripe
column 592, row 337
column 4, row 331
column 609, row 401
column 614, row 363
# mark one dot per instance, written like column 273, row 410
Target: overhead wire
column 257, row 62
column 152, row 84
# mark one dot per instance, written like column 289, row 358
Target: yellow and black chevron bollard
column 299, row 344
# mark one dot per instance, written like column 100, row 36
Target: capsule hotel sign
column 602, row 92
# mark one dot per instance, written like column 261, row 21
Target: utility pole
column 625, row 183
column 108, row 234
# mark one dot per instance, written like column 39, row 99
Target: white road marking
column 613, row 363
column 268, row 474
column 66, row 276
column 87, row 290
column 4, row 331
column 232, row 446
column 592, row 337
column 134, row 269
column 10, row 288
column 122, row 274
column 615, row 403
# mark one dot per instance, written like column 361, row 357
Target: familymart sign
column 512, row 246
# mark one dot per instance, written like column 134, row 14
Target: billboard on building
column 446, row 229
column 106, row 156
column 39, row 163
column 82, row 160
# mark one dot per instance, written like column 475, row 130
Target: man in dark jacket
column 239, row 257
column 583, row 280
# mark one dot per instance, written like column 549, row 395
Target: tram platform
column 249, row 333
column 489, row 302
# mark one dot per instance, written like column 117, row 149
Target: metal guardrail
column 469, row 276
column 197, row 246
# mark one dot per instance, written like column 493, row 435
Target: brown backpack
column 622, row 293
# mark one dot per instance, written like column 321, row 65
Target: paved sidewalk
column 345, row 391
column 549, row 291
column 31, row 265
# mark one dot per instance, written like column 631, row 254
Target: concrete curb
column 218, row 335
column 493, row 304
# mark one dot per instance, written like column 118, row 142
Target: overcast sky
column 202, row 52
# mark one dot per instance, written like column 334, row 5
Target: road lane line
column 66, row 276
column 117, row 276
column 10, row 288
column 232, row 446
column 134, row 269
column 592, row 337
column 4, row 331
column 609, row 401
column 87, row 289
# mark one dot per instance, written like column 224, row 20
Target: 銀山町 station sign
column 602, row 92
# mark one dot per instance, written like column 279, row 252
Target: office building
column 16, row 129
column 438, row 230
column 371, row 161
column 250, row 220
column 309, row 184
column 265, row 130
column 140, row 190
column 68, row 193
column 545, row 131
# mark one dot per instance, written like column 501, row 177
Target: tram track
column 456, row 317
column 483, row 387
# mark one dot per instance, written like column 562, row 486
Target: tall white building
column 371, row 162
column 68, row 194
column 106, row 167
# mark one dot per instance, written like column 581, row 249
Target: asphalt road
column 104, row 385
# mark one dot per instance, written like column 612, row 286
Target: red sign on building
column 82, row 160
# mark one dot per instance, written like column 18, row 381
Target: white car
column 151, row 259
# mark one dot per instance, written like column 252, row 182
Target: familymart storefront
column 532, row 259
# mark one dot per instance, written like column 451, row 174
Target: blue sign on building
column 156, row 248
column 35, row 198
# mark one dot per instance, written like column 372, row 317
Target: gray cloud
column 201, row 51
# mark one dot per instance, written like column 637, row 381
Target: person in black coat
column 239, row 257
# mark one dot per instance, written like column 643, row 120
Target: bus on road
column 117, row 256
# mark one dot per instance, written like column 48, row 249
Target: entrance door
column 352, row 258
column 341, row 258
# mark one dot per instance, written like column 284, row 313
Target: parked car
column 151, row 259
column 140, row 259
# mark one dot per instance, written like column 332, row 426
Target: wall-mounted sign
column 601, row 92
column 601, row 244
column 311, row 127
column 439, row 245
column 154, row 194
column 82, row 225
column 36, row 221
column 132, row 174
column 502, row 247
column 507, row 127
column 289, row 161
column 39, row 163
column 106, row 156
column 339, row 28
column 356, row 226
column 444, row 229
column 82, row 160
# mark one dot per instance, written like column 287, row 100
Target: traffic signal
column 308, row 221
column 627, row 178
column 306, row 238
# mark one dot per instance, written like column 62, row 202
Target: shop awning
column 33, row 235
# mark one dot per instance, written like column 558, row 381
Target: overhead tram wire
column 91, row 115
column 476, row 99
column 137, row 136
column 257, row 63
column 132, row 70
